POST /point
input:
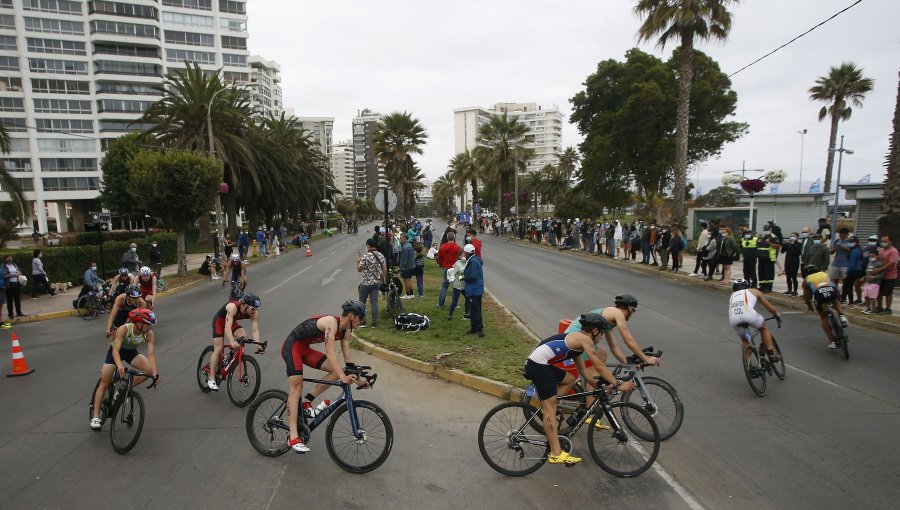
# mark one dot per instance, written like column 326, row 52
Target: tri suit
column 218, row 324
column 539, row 366
column 297, row 351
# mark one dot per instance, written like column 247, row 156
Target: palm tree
column 843, row 85
column 683, row 21
column 535, row 185
column 889, row 220
column 466, row 172
column 556, row 183
column 442, row 191
column 9, row 183
column 568, row 161
column 397, row 137
column 501, row 148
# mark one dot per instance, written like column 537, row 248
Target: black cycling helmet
column 132, row 291
column 740, row 284
column 592, row 320
column 354, row 306
column 626, row 301
column 251, row 300
column 810, row 269
column 123, row 271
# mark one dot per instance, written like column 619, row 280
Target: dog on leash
column 61, row 286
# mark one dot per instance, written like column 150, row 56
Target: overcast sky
column 429, row 57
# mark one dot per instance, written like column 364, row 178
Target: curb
column 856, row 317
column 474, row 382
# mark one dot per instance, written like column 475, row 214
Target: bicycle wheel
column 103, row 406
column 778, row 367
column 565, row 411
column 840, row 338
column 620, row 452
column 507, row 444
column 666, row 409
column 203, row 369
column 126, row 423
column 373, row 446
column 243, row 381
column 267, row 423
column 87, row 307
column 756, row 376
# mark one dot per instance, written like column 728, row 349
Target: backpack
column 411, row 322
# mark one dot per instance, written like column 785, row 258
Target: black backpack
column 411, row 322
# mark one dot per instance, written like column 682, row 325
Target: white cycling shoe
column 212, row 385
column 96, row 423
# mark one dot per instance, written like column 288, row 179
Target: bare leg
column 296, row 383
column 106, row 375
column 548, row 407
column 218, row 346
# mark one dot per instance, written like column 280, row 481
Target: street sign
column 465, row 217
column 105, row 218
column 476, row 208
column 392, row 201
column 104, row 227
column 95, row 216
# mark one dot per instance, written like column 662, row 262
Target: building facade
column 342, row 168
column 366, row 167
column 75, row 74
column 320, row 130
column 265, row 86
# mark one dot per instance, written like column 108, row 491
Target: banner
column 816, row 187
column 773, row 189
column 865, row 180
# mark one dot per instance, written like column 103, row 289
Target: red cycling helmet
column 142, row 315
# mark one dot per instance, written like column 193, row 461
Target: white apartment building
column 320, row 130
column 74, row 74
column 368, row 170
column 265, row 86
column 342, row 168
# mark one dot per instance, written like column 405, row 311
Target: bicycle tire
column 203, row 363
column 377, row 433
column 754, row 371
column 839, row 337
column 616, row 442
column 668, row 413
column 87, row 307
column 779, row 368
column 102, row 406
column 243, row 376
column 268, row 432
column 499, row 440
column 124, row 428
column 564, row 409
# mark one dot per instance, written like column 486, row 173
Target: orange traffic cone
column 19, row 366
column 308, row 251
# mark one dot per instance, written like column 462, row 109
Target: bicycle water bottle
column 321, row 407
column 308, row 409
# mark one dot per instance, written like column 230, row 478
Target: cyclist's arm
column 588, row 348
column 331, row 325
column 151, row 352
column 767, row 304
column 116, row 345
column 628, row 338
column 807, row 295
column 230, row 312
column 614, row 347
column 254, row 326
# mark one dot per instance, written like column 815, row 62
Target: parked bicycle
column 94, row 302
column 756, row 364
column 393, row 291
column 239, row 369
column 125, row 409
column 513, row 446
column 359, row 436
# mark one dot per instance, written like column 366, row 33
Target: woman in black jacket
column 791, row 249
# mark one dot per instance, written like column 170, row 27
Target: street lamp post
column 837, row 185
column 212, row 152
column 383, row 183
column 800, row 179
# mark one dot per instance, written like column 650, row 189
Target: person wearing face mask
column 39, row 276
column 840, row 251
column 91, row 281
column 805, row 246
column 472, row 238
column 156, row 255
column 749, row 253
column 131, row 259
column 819, row 255
column 473, row 275
column 791, row 249
column 855, row 272
column 11, row 274
column 455, row 275
column 767, row 252
column 887, row 255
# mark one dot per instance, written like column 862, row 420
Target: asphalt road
column 821, row 439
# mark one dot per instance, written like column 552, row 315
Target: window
column 45, row 65
column 229, row 59
column 60, row 86
column 12, row 104
column 60, row 6
column 126, row 50
column 9, row 63
column 18, row 145
column 136, row 89
column 193, row 39
column 119, row 28
column 121, row 9
column 64, row 125
column 232, row 7
column 229, row 76
column 13, row 125
column 70, row 183
column 123, row 126
column 55, row 46
column 6, row 3
column 53, row 26
column 135, row 68
column 26, row 183
column 65, row 145
column 17, row 164
column 199, row 57
column 68, row 165
column 7, row 21
column 234, row 43
column 233, row 25
column 187, row 20
column 62, row 106
column 204, row 5
column 123, row 105
column 8, row 42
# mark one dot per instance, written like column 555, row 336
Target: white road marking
column 288, row 279
column 326, row 281
column 821, row 379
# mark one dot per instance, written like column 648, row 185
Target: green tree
column 568, row 162
column 345, row 207
column 178, row 186
column 502, row 150
column 889, row 220
column 844, row 85
column 683, row 21
column 442, row 192
column 20, row 209
column 723, row 196
column 115, row 194
column 397, row 137
column 466, row 172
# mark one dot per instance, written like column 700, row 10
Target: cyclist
column 817, row 286
column 238, row 274
column 128, row 300
column 146, row 280
column 225, row 326
column 121, row 281
column 123, row 348
column 742, row 309
column 297, row 351
column 550, row 381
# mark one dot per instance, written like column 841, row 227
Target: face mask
column 804, row 235
column 872, row 243
column 154, row 245
column 884, row 245
column 468, row 239
column 93, row 268
column 767, row 230
column 817, row 241
column 793, row 238
column 134, row 250
column 747, row 236
column 721, row 232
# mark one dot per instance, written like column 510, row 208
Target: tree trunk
column 889, row 221
column 182, row 257
column 252, row 219
column 500, row 211
column 832, row 141
column 230, row 204
column 682, row 126
column 205, row 238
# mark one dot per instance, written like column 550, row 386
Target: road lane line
column 289, row 279
column 677, row 487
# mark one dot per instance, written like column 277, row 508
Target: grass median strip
column 499, row 355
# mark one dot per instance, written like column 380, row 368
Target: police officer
column 749, row 252
column 767, row 248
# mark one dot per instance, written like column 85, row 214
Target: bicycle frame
column 346, row 397
column 602, row 400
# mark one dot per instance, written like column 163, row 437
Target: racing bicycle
column 756, row 363
column 125, row 409
column 241, row 371
column 94, row 302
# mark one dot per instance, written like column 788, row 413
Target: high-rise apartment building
column 265, row 86
column 342, row 168
column 74, row 75
column 368, row 170
column 320, row 130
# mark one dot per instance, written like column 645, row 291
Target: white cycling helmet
column 145, row 271
column 235, row 257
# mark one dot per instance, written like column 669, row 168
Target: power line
column 854, row 4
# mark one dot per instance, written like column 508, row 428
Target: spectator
column 427, row 234
column 806, row 244
column 840, row 251
column 874, row 277
column 654, row 243
column 767, row 249
column 792, row 248
column 617, row 240
column 664, row 239
column 261, row 243
column 888, row 257
column 819, row 253
column 709, row 255
column 131, row 260
column 701, row 249
column 208, row 267
column 420, row 268
column 750, row 253
column 447, row 255
column 823, row 231
column 407, row 266
column 228, row 246
column 91, row 280
column 855, row 271
column 472, row 238
column 645, row 245
column 3, row 324
column 243, row 245
column 155, row 257
column 713, row 264
column 373, row 266
column 455, row 275
column 11, row 274
column 473, row 274
column 39, row 276
column 727, row 254
column 635, row 239
column 394, row 236
column 676, row 244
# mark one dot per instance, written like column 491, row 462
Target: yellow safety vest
column 749, row 243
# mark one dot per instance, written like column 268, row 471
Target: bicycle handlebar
column 638, row 363
column 360, row 371
column 262, row 345
column 137, row 373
